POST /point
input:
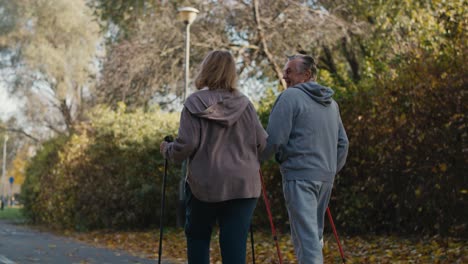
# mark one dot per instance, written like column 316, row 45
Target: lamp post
column 2, row 180
column 186, row 15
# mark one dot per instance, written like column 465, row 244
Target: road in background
column 22, row 245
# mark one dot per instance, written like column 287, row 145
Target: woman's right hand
column 162, row 148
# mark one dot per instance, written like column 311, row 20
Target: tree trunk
column 66, row 113
column 351, row 58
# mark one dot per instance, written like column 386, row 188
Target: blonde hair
column 217, row 71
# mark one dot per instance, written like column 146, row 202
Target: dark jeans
column 234, row 221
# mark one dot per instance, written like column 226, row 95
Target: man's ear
column 308, row 75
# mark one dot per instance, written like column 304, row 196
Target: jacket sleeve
column 279, row 125
column 343, row 143
column 187, row 140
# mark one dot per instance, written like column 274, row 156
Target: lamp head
column 187, row 14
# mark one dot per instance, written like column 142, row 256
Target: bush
column 39, row 173
column 407, row 161
column 408, row 152
column 108, row 174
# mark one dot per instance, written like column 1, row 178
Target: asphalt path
column 20, row 244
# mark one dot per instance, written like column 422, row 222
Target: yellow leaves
column 443, row 167
column 402, row 119
column 137, row 126
column 19, row 165
column 417, row 192
column 421, row 137
column 290, row 255
column 368, row 249
column 438, row 251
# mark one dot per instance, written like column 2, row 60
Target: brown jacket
column 221, row 135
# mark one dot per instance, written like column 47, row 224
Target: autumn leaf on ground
column 357, row 249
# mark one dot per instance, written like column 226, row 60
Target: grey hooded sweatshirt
column 306, row 133
column 222, row 136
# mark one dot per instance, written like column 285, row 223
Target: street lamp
column 2, row 180
column 187, row 15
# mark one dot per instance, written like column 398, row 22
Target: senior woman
column 222, row 137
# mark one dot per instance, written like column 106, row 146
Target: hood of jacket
column 221, row 106
column 320, row 94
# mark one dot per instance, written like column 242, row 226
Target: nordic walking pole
column 336, row 234
column 252, row 243
column 163, row 203
column 273, row 230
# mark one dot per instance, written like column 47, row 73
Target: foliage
column 408, row 135
column 109, row 173
column 126, row 14
column 54, row 43
column 150, row 62
column 407, row 128
column 8, row 13
column 38, row 175
column 398, row 71
column 146, row 66
column 407, row 152
column 18, row 165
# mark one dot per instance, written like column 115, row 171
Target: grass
column 11, row 213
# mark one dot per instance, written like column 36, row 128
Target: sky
column 8, row 106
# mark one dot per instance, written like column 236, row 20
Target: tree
column 148, row 61
column 8, row 13
column 56, row 43
column 18, row 165
column 13, row 141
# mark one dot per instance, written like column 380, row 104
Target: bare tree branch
column 270, row 57
column 19, row 131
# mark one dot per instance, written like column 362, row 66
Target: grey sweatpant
column 307, row 202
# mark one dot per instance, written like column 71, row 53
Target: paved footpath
column 22, row 245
